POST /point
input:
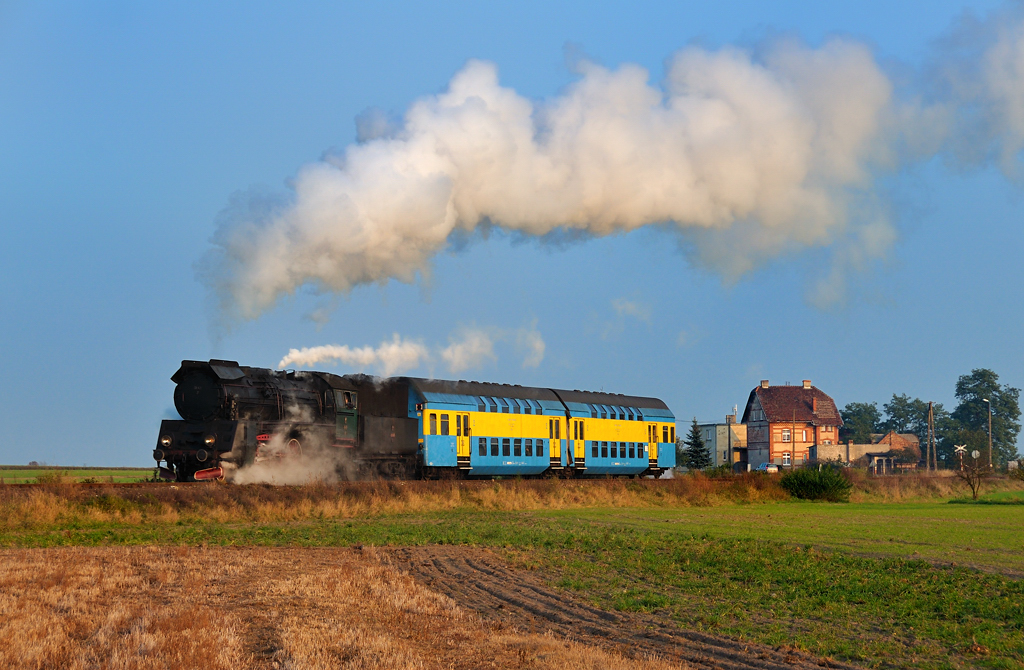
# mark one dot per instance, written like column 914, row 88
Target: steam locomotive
column 362, row 427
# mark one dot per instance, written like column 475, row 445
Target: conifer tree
column 695, row 455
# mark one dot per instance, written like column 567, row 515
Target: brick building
column 786, row 425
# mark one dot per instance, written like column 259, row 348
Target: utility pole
column 987, row 402
column 931, row 439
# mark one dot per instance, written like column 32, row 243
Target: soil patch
column 479, row 580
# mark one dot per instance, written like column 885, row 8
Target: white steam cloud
column 391, row 357
column 749, row 155
column 469, row 348
column 531, row 344
column 472, row 349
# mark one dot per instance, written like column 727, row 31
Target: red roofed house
column 787, row 424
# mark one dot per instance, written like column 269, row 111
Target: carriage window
column 514, row 404
column 615, row 450
column 506, row 447
column 671, row 433
column 538, row 408
column 458, row 425
column 593, row 449
column 444, row 424
column 494, row 404
column 632, row 452
column 575, row 430
column 481, row 406
column 433, row 424
column 558, row 428
column 504, row 405
column 604, row 412
column 581, row 431
column 517, row 447
column 494, row 446
column 593, row 411
column 527, row 409
column 604, row 450
column 540, row 447
column 551, row 429
column 529, row 448
column 483, row 446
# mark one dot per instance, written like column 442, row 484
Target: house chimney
column 814, row 404
column 730, row 418
column 807, row 383
column 764, row 383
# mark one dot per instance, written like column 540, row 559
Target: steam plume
column 471, row 350
column 748, row 156
column 391, row 357
column 469, row 347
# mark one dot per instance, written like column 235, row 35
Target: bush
column 814, row 484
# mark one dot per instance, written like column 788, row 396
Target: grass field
column 924, row 584
column 28, row 474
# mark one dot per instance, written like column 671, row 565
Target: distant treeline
column 967, row 424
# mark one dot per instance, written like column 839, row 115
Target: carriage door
column 555, row 439
column 580, row 449
column 652, row 444
column 345, row 403
column 462, row 440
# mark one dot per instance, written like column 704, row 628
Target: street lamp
column 986, row 401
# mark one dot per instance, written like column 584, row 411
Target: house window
column 805, row 436
column 786, row 435
column 785, row 458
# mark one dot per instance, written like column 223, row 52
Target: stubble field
column 602, row 574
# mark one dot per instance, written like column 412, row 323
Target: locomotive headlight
column 165, row 441
column 210, row 439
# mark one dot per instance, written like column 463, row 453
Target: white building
column 726, row 442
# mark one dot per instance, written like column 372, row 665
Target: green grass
column 22, row 474
column 885, row 585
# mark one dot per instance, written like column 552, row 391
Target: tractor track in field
column 479, row 580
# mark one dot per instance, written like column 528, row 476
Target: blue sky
column 126, row 129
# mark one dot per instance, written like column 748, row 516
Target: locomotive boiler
column 360, row 427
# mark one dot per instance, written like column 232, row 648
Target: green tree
column 906, row 415
column 972, row 412
column 694, row 454
column 860, row 419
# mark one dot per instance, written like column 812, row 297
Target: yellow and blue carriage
column 487, row 430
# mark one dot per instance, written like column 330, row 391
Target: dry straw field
column 185, row 608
